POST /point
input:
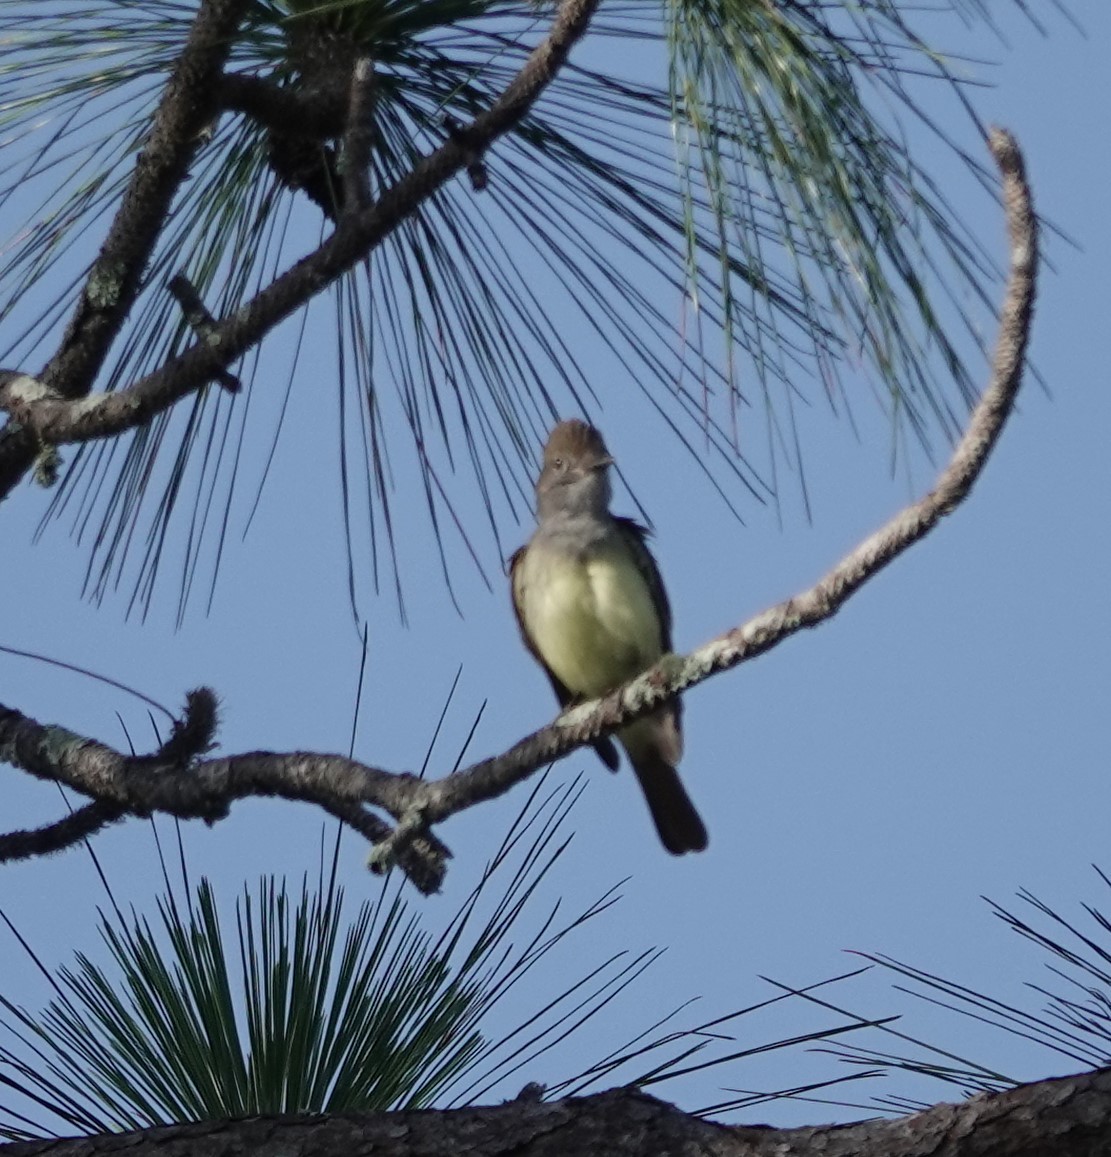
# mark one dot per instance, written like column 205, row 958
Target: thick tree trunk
column 1065, row 1117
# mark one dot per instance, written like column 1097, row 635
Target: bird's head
column 574, row 478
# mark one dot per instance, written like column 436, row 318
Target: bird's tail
column 649, row 743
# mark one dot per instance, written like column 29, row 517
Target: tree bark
column 1064, row 1117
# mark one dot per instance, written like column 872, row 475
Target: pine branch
column 53, row 418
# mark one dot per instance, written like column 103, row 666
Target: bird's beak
column 602, row 463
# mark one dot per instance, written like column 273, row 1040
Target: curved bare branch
column 583, row 724
column 179, row 781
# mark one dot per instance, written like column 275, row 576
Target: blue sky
column 941, row 740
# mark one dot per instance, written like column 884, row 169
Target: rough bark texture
column 1068, row 1117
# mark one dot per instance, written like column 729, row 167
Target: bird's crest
column 574, row 440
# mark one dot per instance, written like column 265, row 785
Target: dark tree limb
column 177, row 780
column 1066, row 1117
column 54, row 419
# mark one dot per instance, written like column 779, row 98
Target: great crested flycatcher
column 593, row 611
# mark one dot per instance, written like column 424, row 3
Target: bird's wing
column 607, row 753
column 636, row 537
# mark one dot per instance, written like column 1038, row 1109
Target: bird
column 592, row 609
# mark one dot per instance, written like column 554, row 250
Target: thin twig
column 200, row 321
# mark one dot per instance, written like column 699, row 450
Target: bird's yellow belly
column 593, row 621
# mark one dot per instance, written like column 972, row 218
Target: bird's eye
column 558, row 463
